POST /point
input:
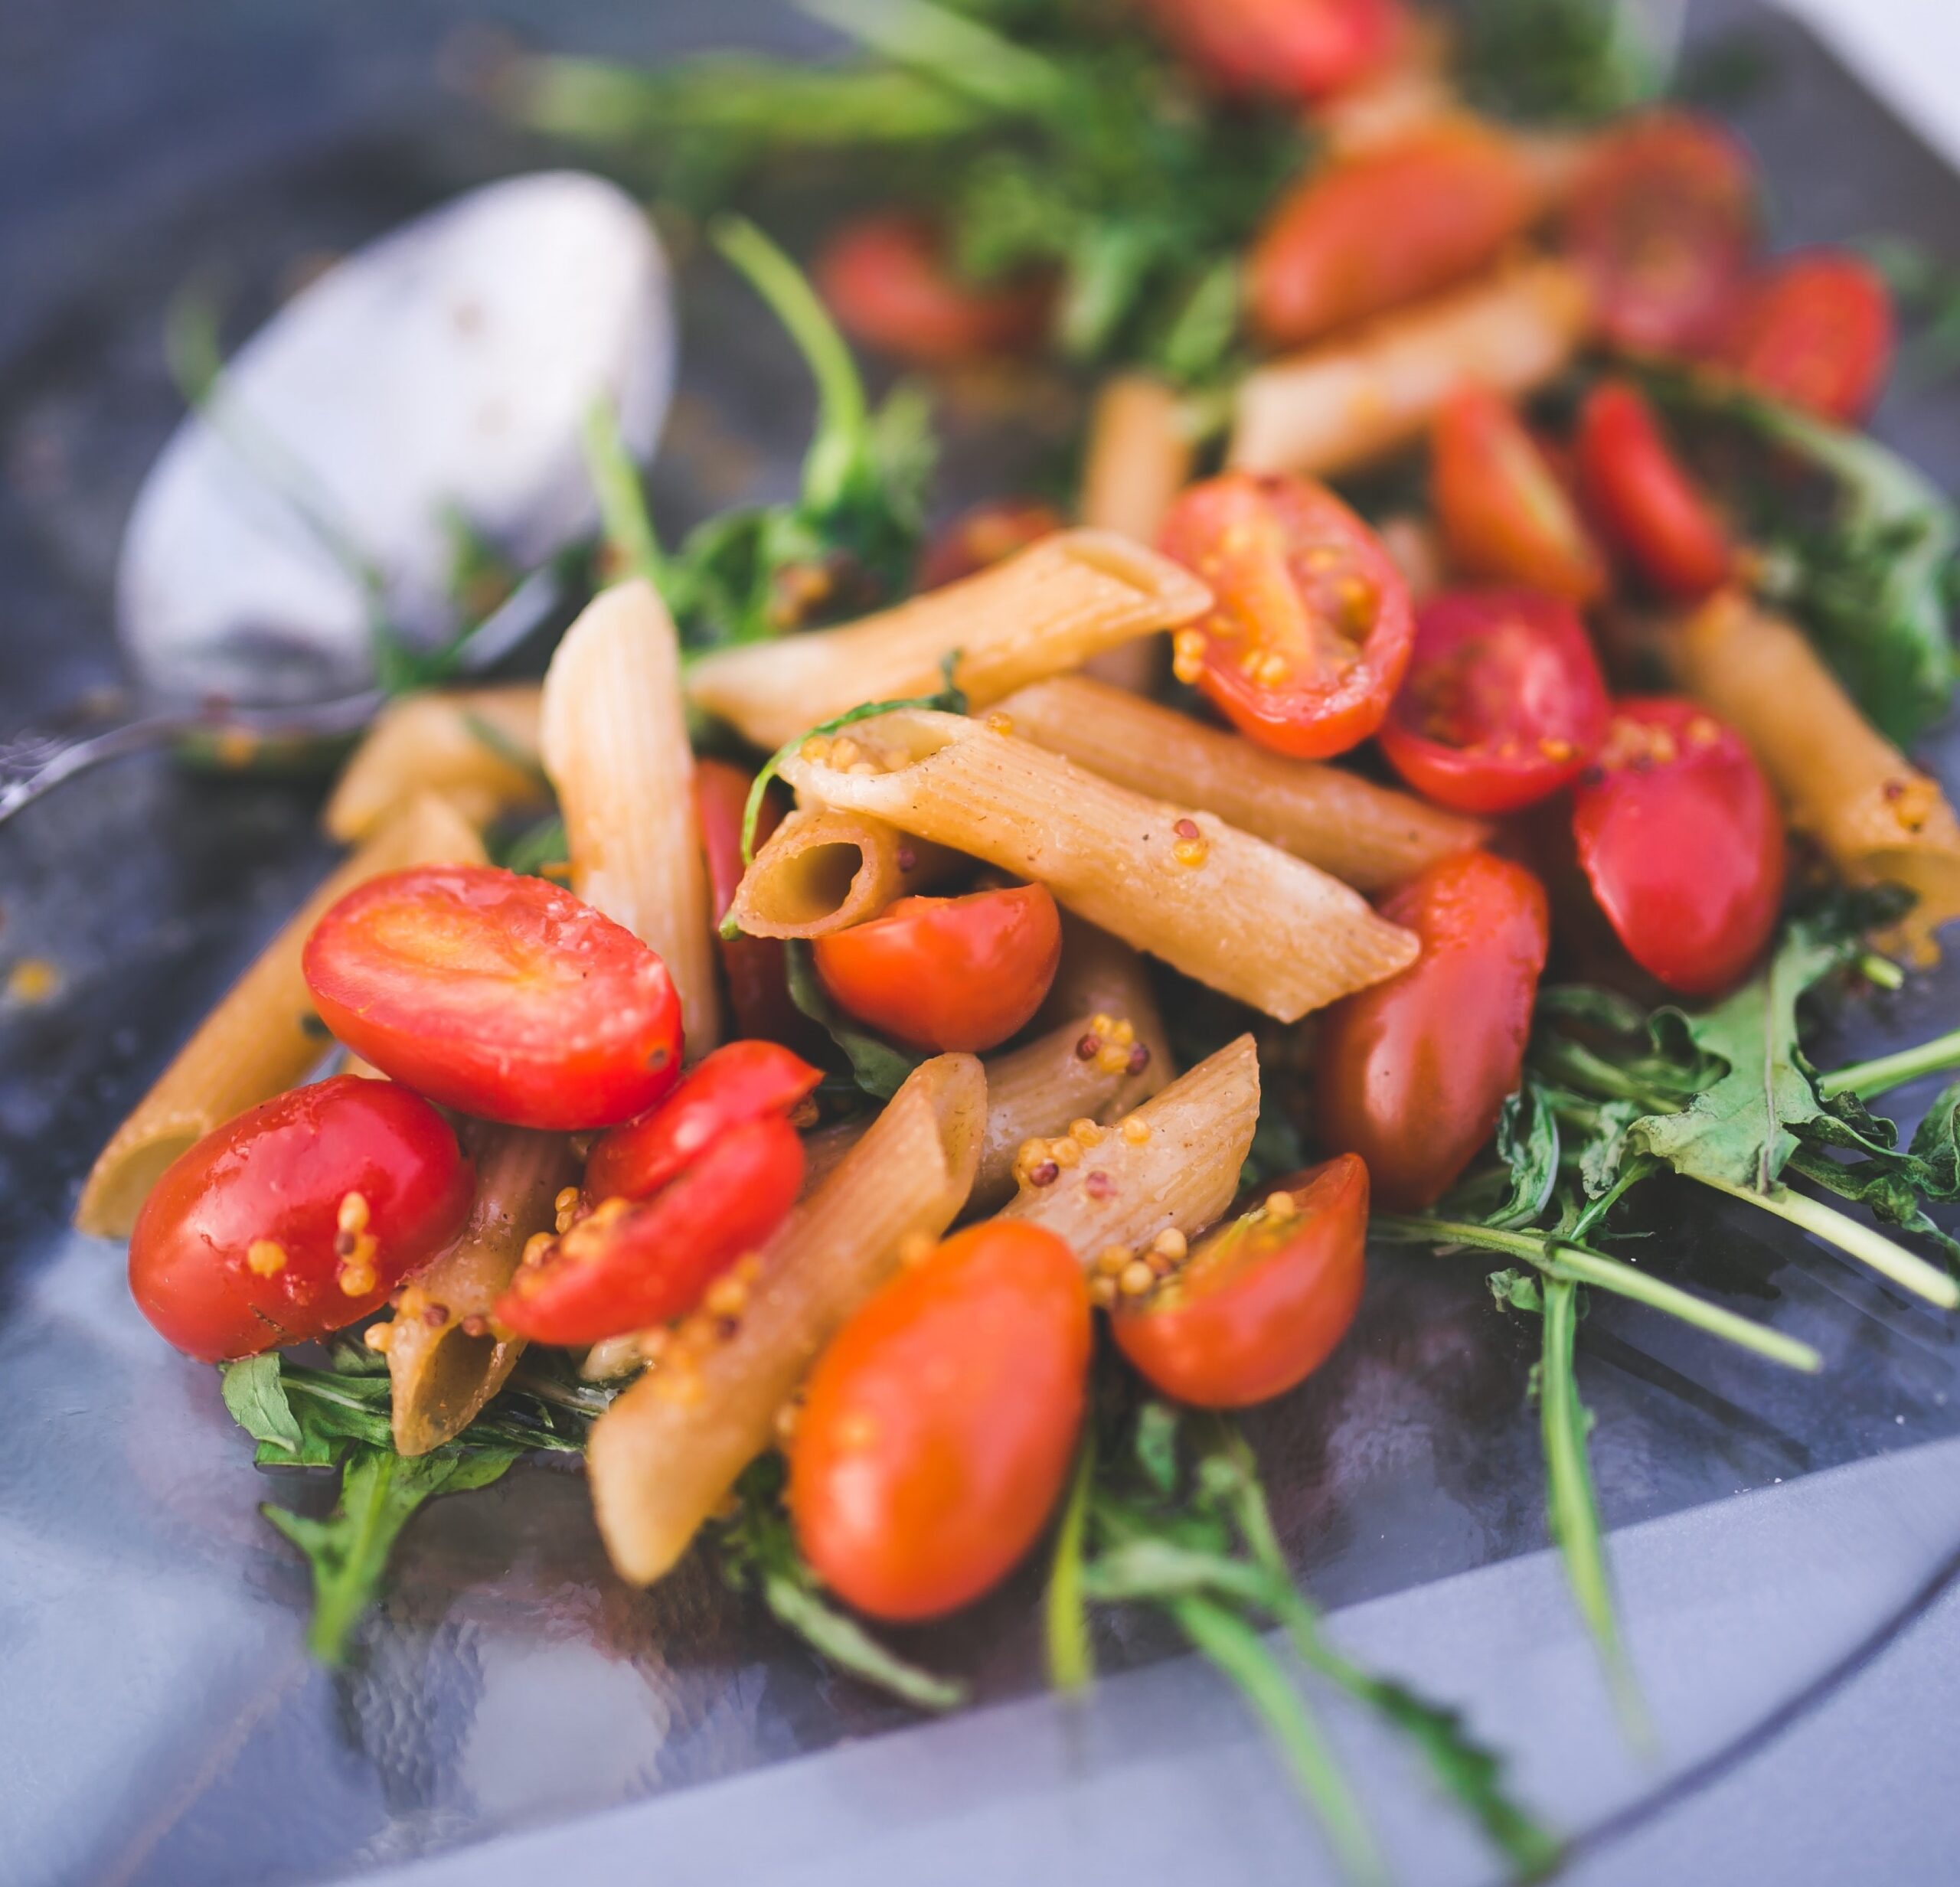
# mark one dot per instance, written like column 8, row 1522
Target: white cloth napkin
column 1908, row 52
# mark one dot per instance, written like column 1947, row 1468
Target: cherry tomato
column 947, row 974
column 742, row 1081
column 888, row 281
column 1297, row 49
column 1662, row 223
column 1506, row 516
column 985, row 535
column 299, row 1217
column 499, row 995
column 1817, row 330
column 1643, row 499
column 1503, row 702
column 938, row 1428
column 1413, row 1072
column 1682, row 842
column 1260, row 1302
column 627, row 1264
column 1386, row 227
column 1309, row 635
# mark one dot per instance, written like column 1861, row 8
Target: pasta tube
column 823, row 870
column 615, row 746
column 264, row 1037
column 664, row 1456
column 1235, row 913
column 1100, row 975
column 477, row 748
column 1049, row 608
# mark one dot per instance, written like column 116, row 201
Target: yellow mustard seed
column 1135, row 1129
column 357, row 1279
column 353, row 1216
column 379, row 1336
column 1136, row 1279
column 1280, row 1205
column 1122, row 1033
column 1113, row 1060
column 1085, row 1133
column 999, row 723
column 1113, row 1258
column 265, row 1258
column 1103, row 1293
column 1064, row 1153
column 726, row 1297
column 1191, row 852
column 1172, row 1244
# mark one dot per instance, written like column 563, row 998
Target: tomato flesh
column 984, row 535
column 1298, row 49
column 249, row 1240
column 1817, row 330
column 1645, row 502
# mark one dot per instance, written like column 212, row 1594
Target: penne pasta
column 1227, row 908
column 665, row 1455
column 615, row 742
column 1340, row 404
column 1371, row 837
column 264, row 1037
column 1101, row 975
column 824, row 869
column 1049, row 608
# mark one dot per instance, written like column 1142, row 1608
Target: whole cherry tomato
column 1817, row 330
column 499, row 995
column 1309, row 637
column 1643, row 499
column 1412, row 1074
column 947, row 974
column 1260, row 1303
column 1297, row 49
column 939, row 1425
column 1682, row 842
column 299, row 1217
column 984, row 535
column 1503, row 704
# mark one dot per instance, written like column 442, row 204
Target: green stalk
column 1071, row 1659
column 1631, row 1174
column 967, row 58
column 1868, row 1080
column 623, row 511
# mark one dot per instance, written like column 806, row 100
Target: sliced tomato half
column 1644, row 499
column 1818, row 330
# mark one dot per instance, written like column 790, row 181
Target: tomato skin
column 501, row 996
column 1298, row 49
column 1227, row 1334
column 1682, row 841
column 752, row 967
column 1503, row 704
column 1386, row 227
column 279, row 1173
column 1412, row 1074
column 1643, row 499
column 1298, row 577
column 1817, row 330
column 947, row 974
column 984, row 535
column 938, row 1428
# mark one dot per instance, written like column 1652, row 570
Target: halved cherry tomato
column 939, row 1425
column 1644, row 499
column 741, row 1082
column 1503, row 702
column 1261, row 1302
column 1413, row 1072
column 947, row 974
column 1817, row 330
column 1682, row 842
column 1387, row 226
column 627, row 1265
column 752, row 967
column 1506, row 516
column 985, row 535
column 1309, row 635
column 1298, row 49
column 889, row 282
column 1662, row 223
column 499, row 995
column 299, row 1217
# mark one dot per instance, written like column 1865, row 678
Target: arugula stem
column 1071, row 1659
column 1866, row 1243
column 842, row 1640
column 621, row 498
column 1631, row 1174
column 1868, row 1080
column 967, row 58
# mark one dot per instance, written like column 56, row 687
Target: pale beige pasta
column 1415, row 547
column 478, row 748
column 1049, row 608
column 264, row 1037
column 616, row 746
column 1342, row 403
column 1370, row 837
column 665, row 1455
column 824, row 869
column 1411, row 93
column 1229, row 909
column 1101, row 976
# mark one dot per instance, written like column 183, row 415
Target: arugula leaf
column 1568, row 61
column 1527, row 1145
column 1927, row 288
column 876, row 1066
column 529, row 850
column 257, row 1399
column 1071, row 1657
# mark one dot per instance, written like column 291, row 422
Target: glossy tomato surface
column 1310, row 633
column 753, row 967
column 1504, row 701
column 1644, row 499
column 501, row 996
column 939, row 1426
column 1682, row 842
column 1818, row 330
column 1260, row 1303
column 1412, row 1074
column 1299, row 49
column 984, row 535
column 297, row 1218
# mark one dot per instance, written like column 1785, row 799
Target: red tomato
column 984, row 535
column 499, row 995
column 1506, row 516
column 1262, row 1302
column 626, row 1266
column 1309, row 635
column 299, row 1217
column 947, row 974
column 888, row 282
column 1413, row 1072
column 742, row 1081
column 1662, row 223
column 1682, row 842
column 1298, row 49
column 1817, row 330
column 938, row 1428
column 1386, row 227
column 752, row 967
column 1503, row 702
column 1644, row 499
